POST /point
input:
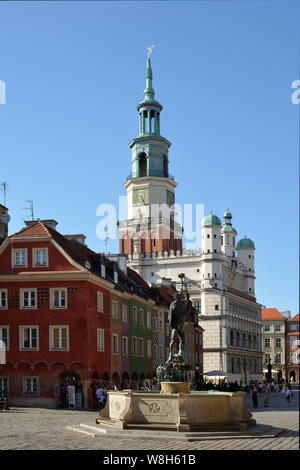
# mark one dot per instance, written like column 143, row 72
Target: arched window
column 142, row 165
column 166, row 171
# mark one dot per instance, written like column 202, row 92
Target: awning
column 216, row 373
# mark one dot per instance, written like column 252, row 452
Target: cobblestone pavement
column 45, row 429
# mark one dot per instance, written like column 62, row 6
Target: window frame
column 21, row 338
column 14, row 251
column 99, row 304
column 124, row 313
column 6, row 327
column 115, row 342
column 100, row 340
column 52, row 294
column 22, row 292
column 4, row 291
column 115, row 314
column 125, row 342
column 34, row 264
column 51, row 338
column 37, row 385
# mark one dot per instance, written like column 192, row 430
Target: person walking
column 288, row 396
column 100, row 394
column 254, row 396
column 266, row 395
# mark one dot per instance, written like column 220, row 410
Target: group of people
column 265, row 390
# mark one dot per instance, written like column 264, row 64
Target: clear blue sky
column 74, row 73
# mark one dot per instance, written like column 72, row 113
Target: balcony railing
column 155, row 173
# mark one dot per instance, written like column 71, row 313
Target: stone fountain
column 175, row 407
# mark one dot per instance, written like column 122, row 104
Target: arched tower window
column 142, row 165
column 166, row 171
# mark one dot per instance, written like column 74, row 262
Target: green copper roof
column 245, row 243
column 227, row 227
column 211, row 220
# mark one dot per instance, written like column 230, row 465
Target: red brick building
column 54, row 316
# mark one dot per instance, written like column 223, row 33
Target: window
column 215, row 236
column 293, row 340
column 134, row 314
column 115, row 344
column 277, row 327
column 99, row 301
column 19, row 258
column 124, row 313
column 149, row 349
column 249, row 256
column 277, row 358
column 267, row 342
column 141, row 347
column 4, row 384
column 28, row 338
column 58, row 297
column 161, row 322
column 149, row 320
column 30, row 385
column 233, row 253
column 124, row 345
column 100, row 339
column 155, row 324
column 134, row 346
column 267, row 327
column 40, row 257
column 28, row 298
column 278, row 343
column 4, row 336
column 267, row 358
column 141, row 316
column 221, row 240
column 114, row 309
column 216, row 307
column 59, row 338
column 293, row 328
column 3, row 298
column 208, row 236
column 197, row 305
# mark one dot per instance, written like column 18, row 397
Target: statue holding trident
column 178, row 311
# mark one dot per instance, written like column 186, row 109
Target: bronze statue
column 178, row 311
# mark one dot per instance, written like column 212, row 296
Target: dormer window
column 19, row 257
column 39, row 257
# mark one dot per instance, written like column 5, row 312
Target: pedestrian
column 100, row 393
column 266, row 395
column 288, row 396
column 254, row 395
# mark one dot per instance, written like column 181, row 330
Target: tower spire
column 149, row 92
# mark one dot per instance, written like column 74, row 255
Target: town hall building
column 220, row 275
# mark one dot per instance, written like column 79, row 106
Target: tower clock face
column 140, row 197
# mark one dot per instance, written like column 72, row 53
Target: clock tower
column 150, row 225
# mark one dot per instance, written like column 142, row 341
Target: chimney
column 77, row 238
column 50, row 222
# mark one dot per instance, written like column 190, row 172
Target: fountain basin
column 196, row 411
